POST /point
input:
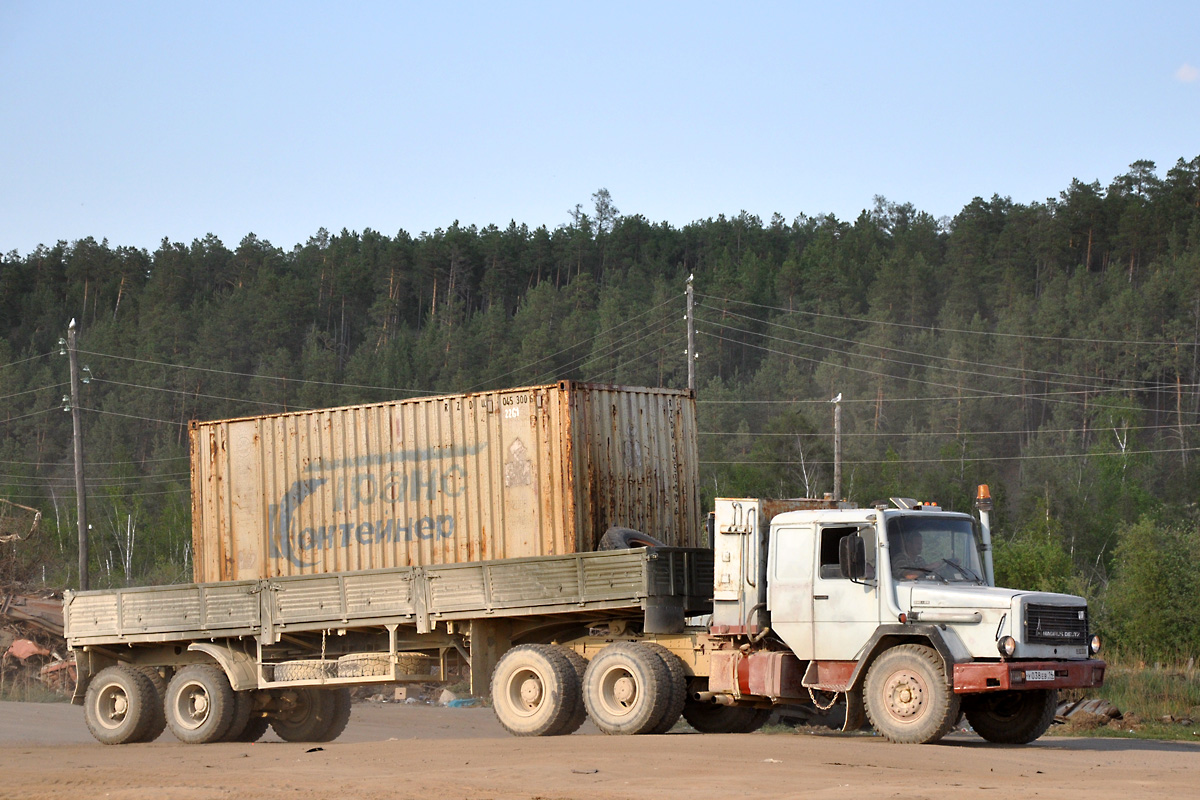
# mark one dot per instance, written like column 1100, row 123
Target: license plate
column 1039, row 674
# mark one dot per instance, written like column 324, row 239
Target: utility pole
column 691, row 335
column 837, row 446
column 80, row 492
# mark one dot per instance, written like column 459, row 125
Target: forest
column 1050, row 350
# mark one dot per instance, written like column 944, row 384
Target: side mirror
column 852, row 556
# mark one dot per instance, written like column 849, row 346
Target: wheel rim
column 526, row 692
column 906, row 694
column 192, row 705
column 620, row 692
column 112, row 707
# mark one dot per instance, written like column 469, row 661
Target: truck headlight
column 1007, row 645
column 1094, row 645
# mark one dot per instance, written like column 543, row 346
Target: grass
column 1156, row 702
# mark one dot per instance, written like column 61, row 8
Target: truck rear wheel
column 120, row 705
column 907, row 696
column 243, row 704
column 677, row 684
column 1012, row 717
column 716, row 718
column 534, row 688
column 309, row 714
column 626, row 689
column 199, row 704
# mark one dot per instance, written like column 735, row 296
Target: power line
column 1034, row 432
column 92, row 463
column 901, row 462
column 1054, row 397
column 620, row 345
column 23, row 361
column 927, row 329
column 572, row 347
column 678, row 341
column 256, row 376
column 131, row 494
column 133, row 416
column 930, row 356
column 201, row 394
column 31, row 391
column 31, row 414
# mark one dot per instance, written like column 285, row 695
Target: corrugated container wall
column 543, row 470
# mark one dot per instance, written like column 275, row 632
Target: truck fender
column 944, row 640
column 240, row 667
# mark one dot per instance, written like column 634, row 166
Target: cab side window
column 830, row 539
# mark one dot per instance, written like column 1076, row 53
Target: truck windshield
column 934, row 548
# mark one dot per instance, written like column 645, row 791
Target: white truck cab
column 895, row 607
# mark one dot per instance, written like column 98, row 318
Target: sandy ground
column 398, row 751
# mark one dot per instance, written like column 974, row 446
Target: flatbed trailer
column 372, row 626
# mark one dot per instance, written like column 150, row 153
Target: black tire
column 339, row 703
column 579, row 664
column 1012, row 717
column 243, row 704
column 254, row 729
column 716, row 718
column 533, row 690
column 308, row 715
column 677, row 697
column 626, row 689
column 625, row 538
column 199, row 704
column 908, row 699
column 120, row 705
column 159, row 722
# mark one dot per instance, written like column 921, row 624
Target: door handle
column 820, row 597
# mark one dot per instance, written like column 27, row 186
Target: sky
column 134, row 122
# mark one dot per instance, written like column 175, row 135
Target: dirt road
column 397, row 751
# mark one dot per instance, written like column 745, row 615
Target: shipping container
column 543, row 470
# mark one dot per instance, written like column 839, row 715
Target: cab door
column 845, row 613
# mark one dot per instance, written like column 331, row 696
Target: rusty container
column 543, row 470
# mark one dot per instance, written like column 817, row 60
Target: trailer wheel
column 199, row 704
column 579, row 664
column 908, row 699
column 626, row 689
column 533, row 687
column 716, row 718
column 120, row 705
column 677, row 684
column 1012, row 717
column 625, row 538
column 308, row 714
column 159, row 722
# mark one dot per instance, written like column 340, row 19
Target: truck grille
column 1055, row 624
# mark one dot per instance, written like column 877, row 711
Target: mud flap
column 856, row 714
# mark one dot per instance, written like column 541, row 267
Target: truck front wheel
column 1012, row 717
column 908, row 698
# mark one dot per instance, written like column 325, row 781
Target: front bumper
column 1000, row 676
